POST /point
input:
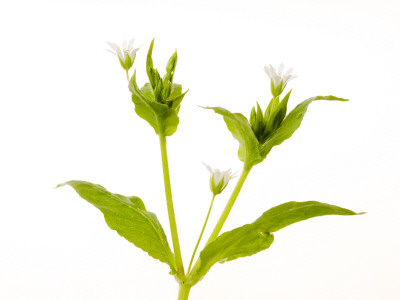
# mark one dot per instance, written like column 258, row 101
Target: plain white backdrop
column 66, row 114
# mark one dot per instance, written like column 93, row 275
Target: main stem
column 184, row 292
column 202, row 231
column 170, row 206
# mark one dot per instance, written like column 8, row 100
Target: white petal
column 114, row 46
column 218, row 176
column 286, row 79
column 273, row 71
column 111, row 52
column 276, row 80
column 208, row 168
column 120, row 54
column 268, row 71
column 133, row 52
column 280, row 69
column 130, row 43
column 124, row 44
column 288, row 72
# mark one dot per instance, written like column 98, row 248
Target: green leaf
column 162, row 118
column 149, row 66
column 255, row 237
column 129, row 217
column 290, row 124
column 240, row 128
column 176, row 96
column 147, row 91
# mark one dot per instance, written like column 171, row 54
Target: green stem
column 184, row 292
column 127, row 75
column 227, row 210
column 170, row 206
column 201, row 234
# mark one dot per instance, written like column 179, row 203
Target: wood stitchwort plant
column 158, row 102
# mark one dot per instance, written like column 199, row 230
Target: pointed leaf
column 240, row 128
column 255, row 237
column 149, row 66
column 162, row 118
column 129, row 217
column 176, row 96
column 290, row 124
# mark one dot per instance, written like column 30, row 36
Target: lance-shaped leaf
column 239, row 126
column 129, row 217
column 290, row 124
column 175, row 98
column 162, row 118
column 255, row 237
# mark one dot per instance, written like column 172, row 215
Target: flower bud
column 219, row 179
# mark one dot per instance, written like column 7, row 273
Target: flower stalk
column 201, row 233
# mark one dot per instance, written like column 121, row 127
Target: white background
column 66, row 114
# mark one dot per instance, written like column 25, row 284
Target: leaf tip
column 60, row 185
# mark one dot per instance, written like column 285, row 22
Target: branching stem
column 227, row 210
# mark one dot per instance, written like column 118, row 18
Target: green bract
column 158, row 102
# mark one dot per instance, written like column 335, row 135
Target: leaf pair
column 257, row 236
column 158, row 102
column 253, row 150
column 129, row 217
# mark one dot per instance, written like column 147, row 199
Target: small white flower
column 126, row 53
column 278, row 80
column 219, row 179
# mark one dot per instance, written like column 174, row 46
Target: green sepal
column 257, row 236
column 129, row 217
column 160, row 116
column 239, row 126
column 291, row 123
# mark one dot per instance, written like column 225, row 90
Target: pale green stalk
column 227, row 210
column 184, row 292
column 127, row 75
column 170, row 206
column 201, row 234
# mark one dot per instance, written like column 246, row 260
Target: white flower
column 126, row 54
column 278, row 81
column 219, row 179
